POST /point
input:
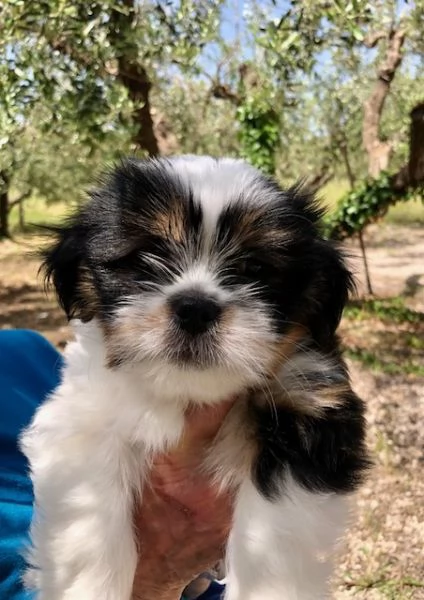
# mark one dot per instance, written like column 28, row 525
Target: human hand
column 183, row 521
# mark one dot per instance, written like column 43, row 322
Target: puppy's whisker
column 269, row 397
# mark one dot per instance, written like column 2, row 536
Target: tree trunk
column 352, row 181
column 133, row 76
column 4, row 214
column 412, row 174
column 378, row 158
column 129, row 71
column 378, row 150
column 370, row 290
column 416, row 147
column 349, row 172
column 4, row 205
column 21, row 216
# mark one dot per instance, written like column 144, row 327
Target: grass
column 375, row 363
column 399, row 588
column 39, row 212
column 406, row 213
column 391, row 589
column 385, row 335
column 386, row 309
column 333, row 191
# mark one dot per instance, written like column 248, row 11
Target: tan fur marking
column 88, row 292
column 230, row 458
column 226, row 317
column 315, row 401
column 170, row 225
column 124, row 331
column 248, row 222
column 294, row 390
column 287, row 346
column 249, row 231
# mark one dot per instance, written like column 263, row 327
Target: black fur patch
column 325, row 453
column 279, row 249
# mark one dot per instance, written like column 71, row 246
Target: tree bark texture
column 4, row 205
column 416, row 147
column 133, row 76
column 21, row 216
column 412, row 174
column 379, row 150
column 352, row 181
column 136, row 80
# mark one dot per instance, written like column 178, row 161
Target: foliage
column 82, row 71
column 364, row 204
column 76, row 161
column 63, row 88
column 200, row 124
column 70, row 53
column 259, row 134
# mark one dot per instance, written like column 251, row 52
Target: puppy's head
column 202, row 273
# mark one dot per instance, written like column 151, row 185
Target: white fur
column 281, row 550
column 89, row 447
column 217, row 184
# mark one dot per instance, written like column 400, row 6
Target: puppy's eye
column 252, row 268
column 124, row 262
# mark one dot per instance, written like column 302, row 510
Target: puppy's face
column 199, row 270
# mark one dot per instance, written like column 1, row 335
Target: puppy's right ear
column 62, row 265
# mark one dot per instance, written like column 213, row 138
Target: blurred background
column 327, row 92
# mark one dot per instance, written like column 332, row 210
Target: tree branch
column 24, row 196
column 318, row 181
column 224, row 92
column 372, row 39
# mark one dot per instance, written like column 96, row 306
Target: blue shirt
column 29, row 370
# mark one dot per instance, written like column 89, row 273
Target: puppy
column 191, row 280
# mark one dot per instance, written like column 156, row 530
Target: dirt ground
column 383, row 554
column 396, row 262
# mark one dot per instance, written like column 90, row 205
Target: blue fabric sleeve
column 29, row 370
column 214, row 592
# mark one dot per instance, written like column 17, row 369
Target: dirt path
column 396, row 262
column 383, row 555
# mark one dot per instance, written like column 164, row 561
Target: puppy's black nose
column 194, row 312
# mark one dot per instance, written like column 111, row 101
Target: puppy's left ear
column 330, row 290
column 62, row 267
